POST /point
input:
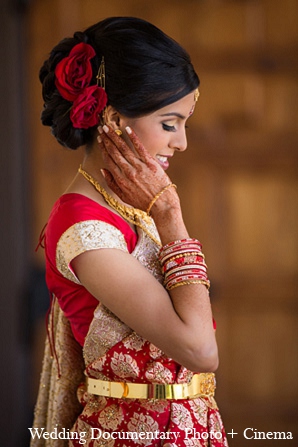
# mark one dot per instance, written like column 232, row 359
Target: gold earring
column 118, row 132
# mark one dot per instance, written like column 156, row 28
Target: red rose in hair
column 87, row 106
column 74, row 72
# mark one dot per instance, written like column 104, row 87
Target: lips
column 163, row 161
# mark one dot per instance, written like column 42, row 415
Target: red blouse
column 76, row 302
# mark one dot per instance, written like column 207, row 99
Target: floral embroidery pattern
column 158, row 373
column 199, row 409
column 155, row 405
column 181, row 416
column 124, row 365
column 105, row 331
column 184, row 375
column 142, row 424
column 195, row 443
column 134, row 342
column 111, row 417
column 94, row 404
column 101, row 442
column 155, row 352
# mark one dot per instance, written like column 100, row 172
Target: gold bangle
column 191, row 281
column 186, row 255
column 171, row 185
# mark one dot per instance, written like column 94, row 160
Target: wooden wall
column 238, row 181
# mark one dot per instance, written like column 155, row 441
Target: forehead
column 182, row 108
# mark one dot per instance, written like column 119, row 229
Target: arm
column 178, row 322
column 182, row 328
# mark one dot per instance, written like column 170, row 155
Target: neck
column 93, row 164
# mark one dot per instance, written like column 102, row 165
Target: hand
column 134, row 175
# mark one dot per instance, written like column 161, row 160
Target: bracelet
column 182, row 254
column 185, row 283
column 182, row 267
column 182, row 262
column 174, row 261
column 155, row 198
column 177, row 246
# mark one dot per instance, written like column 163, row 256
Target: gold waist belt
column 201, row 385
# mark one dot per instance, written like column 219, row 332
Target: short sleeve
column 84, row 236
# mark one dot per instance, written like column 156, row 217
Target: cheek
column 149, row 140
column 148, row 133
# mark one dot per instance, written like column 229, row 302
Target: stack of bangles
column 182, row 262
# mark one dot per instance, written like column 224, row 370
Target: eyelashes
column 168, row 128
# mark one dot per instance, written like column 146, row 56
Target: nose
column 179, row 141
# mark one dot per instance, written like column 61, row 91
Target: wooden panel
column 262, row 229
column 237, row 181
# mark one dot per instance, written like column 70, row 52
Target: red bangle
column 182, row 262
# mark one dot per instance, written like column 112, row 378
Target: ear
column 112, row 117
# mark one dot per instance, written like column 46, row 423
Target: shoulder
column 73, row 207
column 78, row 224
column 72, row 212
column 86, row 236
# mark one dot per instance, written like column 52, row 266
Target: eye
column 168, row 128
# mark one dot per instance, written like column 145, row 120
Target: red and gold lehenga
column 111, row 350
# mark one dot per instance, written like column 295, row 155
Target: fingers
column 119, row 172
column 116, row 145
column 133, row 157
column 111, row 160
column 140, row 150
column 120, row 158
column 111, row 152
column 144, row 156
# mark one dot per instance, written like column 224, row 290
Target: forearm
column 191, row 302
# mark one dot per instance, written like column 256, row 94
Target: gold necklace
column 132, row 215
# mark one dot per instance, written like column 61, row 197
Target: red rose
column 87, row 107
column 74, row 72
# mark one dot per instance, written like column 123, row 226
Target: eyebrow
column 178, row 115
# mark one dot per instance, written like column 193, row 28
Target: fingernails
column 103, row 173
column 128, row 129
column 106, row 129
column 99, row 139
column 99, row 129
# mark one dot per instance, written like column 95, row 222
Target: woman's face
column 163, row 132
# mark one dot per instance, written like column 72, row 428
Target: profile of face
column 162, row 132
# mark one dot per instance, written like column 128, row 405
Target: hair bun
column 145, row 70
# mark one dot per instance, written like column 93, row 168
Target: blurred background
column 238, row 183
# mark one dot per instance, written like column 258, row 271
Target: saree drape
column 112, row 351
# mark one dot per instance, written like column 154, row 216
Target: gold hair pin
column 197, row 94
column 101, row 75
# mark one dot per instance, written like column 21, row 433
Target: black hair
column 145, row 70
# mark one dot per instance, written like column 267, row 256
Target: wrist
column 166, row 201
column 169, row 223
column 158, row 195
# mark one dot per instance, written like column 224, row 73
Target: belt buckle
column 208, row 384
column 168, row 391
column 159, row 391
